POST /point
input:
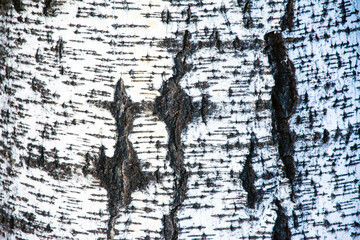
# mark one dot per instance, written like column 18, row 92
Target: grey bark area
column 193, row 119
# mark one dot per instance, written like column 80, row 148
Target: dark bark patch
column 287, row 21
column 18, row 5
column 215, row 40
column 238, row 44
column 175, row 108
column 284, row 99
column 169, row 230
column 54, row 168
column 170, row 44
column 166, row 16
column 284, row 95
column 59, row 48
column 188, row 15
column 248, row 21
column 295, row 220
column 5, row 5
column 281, row 229
column 326, row 136
column 121, row 174
column 51, row 7
column 47, row 7
column 11, row 223
column 343, row 12
column 248, row 176
column 205, row 105
column 85, row 168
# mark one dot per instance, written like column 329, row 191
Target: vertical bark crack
column 121, row 174
column 281, row 229
column 287, row 21
column 175, row 107
column 248, row 176
column 284, row 99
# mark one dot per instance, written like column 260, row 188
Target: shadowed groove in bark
column 287, row 21
column 175, row 107
column 284, row 99
column 248, row 176
column 121, row 174
column 281, row 229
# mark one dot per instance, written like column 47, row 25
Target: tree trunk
column 179, row 120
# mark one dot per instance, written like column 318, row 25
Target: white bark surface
column 60, row 63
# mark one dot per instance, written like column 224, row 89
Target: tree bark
column 179, row 120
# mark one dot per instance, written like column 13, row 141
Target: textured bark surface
column 175, row 108
column 179, row 119
column 284, row 99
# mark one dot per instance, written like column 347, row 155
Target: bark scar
column 175, row 107
column 121, row 174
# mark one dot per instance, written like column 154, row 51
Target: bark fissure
column 281, row 229
column 205, row 107
column 121, row 174
column 59, row 65
column 248, row 176
column 284, row 98
column 175, row 107
column 287, row 21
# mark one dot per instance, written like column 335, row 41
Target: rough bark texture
column 281, row 228
column 284, row 99
column 287, row 21
column 248, row 176
column 175, row 108
column 232, row 119
column 121, row 174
